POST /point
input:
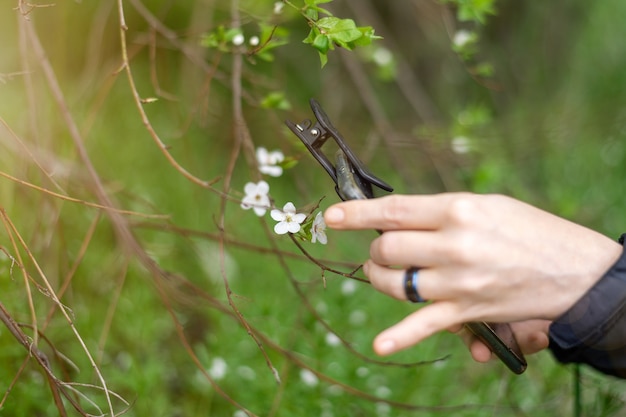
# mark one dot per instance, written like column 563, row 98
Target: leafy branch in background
column 329, row 31
column 326, row 33
column 473, row 10
column 465, row 41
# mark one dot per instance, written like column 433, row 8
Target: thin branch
column 140, row 107
column 13, row 232
column 83, row 202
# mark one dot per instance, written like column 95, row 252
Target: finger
column 416, row 327
column 418, row 248
column 389, row 213
column 431, row 284
column 532, row 335
column 480, row 351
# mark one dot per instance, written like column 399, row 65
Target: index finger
column 395, row 212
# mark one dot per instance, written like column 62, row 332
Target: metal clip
column 315, row 135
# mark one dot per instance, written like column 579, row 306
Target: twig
column 13, row 233
column 144, row 117
column 242, row 137
column 83, row 202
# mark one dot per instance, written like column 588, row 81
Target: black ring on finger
column 411, row 278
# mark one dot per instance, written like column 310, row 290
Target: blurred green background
column 200, row 312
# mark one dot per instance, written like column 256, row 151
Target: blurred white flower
column 238, row 39
column 460, row 144
column 278, row 7
column 309, row 378
column 256, row 197
column 348, row 287
column 269, row 162
column 254, row 40
column 218, row 368
column 332, row 339
column 461, row 38
column 318, row 229
column 287, row 218
column 357, row 317
column 383, row 391
column 382, row 56
column 383, row 409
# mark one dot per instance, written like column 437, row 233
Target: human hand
column 482, row 258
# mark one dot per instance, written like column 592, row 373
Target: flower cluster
column 288, row 219
column 269, row 162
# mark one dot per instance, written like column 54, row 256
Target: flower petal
column 260, row 211
column 249, row 188
column 275, row 157
column 293, row 227
column 281, row 228
column 278, row 215
column 262, row 156
column 289, row 208
column 298, row 218
column 271, row 170
column 262, row 188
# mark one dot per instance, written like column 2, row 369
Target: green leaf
column 339, row 31
column 275, row 100
column 312, row 9
column 311, row 36
column 311, row 13
column 322, row 43
column 323, row 59
column 367, row 36
column 483, row 69
column 289, row 162
column 473, row 10
column 331, row 31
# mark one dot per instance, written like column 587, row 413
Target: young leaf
column 339, row 31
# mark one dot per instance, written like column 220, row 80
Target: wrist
column 591, row 329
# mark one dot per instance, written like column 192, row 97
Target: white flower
column 278, row 7
column 288, row 220
column 332, row 339
column 308, row 377
column 218, row 368
column 382, row 56
column 268, row 162
column 254, row 41
column 318, row 229
column 256, row 197
column 238, row 39
column 357, row 317
column 348, row 287
column 461, row 144
column 461, row 38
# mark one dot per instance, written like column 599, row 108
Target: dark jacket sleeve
column 593, row 331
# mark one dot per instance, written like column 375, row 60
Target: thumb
column 417, row 326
